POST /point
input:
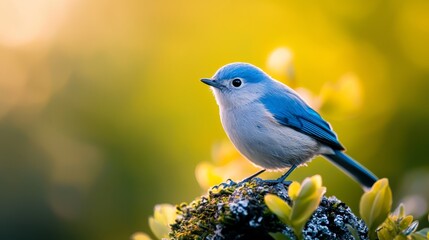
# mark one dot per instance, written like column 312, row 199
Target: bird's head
column 236, row 84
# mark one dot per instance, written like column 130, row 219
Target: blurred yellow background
column 102, row 114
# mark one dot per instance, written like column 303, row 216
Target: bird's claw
column 228, row 183
column 277, row 181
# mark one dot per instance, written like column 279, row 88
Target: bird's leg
column 284, row 176
column 253, row 176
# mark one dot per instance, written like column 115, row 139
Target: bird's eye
column 236, row 82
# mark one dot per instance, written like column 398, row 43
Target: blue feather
column 358, row 172
column 291, row 111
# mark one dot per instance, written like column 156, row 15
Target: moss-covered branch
column 239, row 212
column 261, row 209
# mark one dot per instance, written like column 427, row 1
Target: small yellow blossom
column 164, row 216
column 140, row 236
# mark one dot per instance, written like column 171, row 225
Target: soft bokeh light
column 224, row 165
column 102, row 114
column 22, row 22
column 416, row 205
column 413, row 31
column 140, row 236
column 414, row 193
column 343, row 98
column 280, row 65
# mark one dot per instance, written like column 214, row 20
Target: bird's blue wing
column 291, row 111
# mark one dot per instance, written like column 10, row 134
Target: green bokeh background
column 102, row 114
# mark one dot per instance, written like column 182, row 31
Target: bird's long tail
column 353, row 168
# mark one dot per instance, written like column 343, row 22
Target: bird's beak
column 211, row 82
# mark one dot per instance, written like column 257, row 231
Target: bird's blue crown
column 246, row 71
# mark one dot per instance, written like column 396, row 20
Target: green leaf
column 405, row 222
column 293, row 190
column 303, row 208
column 423, row 234
column 306, row 198
column 279, row 236
column 375, row 205
column 310, row 185
column 306, row 202
column 279, row 207
column 400, row 211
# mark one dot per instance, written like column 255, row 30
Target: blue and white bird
column 272, row 126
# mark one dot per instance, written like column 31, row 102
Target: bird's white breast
column 259, row 137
